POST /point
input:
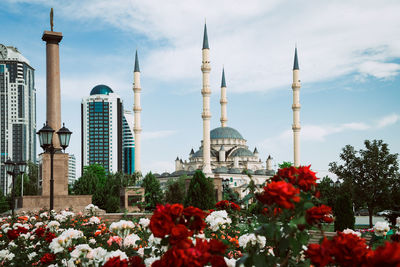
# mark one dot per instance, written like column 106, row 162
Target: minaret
column 296, row 111
column 206, row 92
column 223, row 100
column 137, row 109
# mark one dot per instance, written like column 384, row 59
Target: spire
column 255, row 151
column 223, row 83
column 205, row 38
column 191, row 152
column 137, row 69
column 296, row 61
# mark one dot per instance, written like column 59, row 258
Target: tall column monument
column 206, row 92
column 296, row 110
column 137, row 109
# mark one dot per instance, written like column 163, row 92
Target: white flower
column 64, row 240
column 12, row 244
column 53, row 225
column 80, row 250
column 92, row 241
column 97, row 255
column 6, row 225
column 38, row 224
column 130, row 240
column 122, row 228
column 32, row 255
column 350, row 231
column 230, row 262
column 140, row 251
column 149, row 261
column 60, row 218
column 43, row 215
column 154, row 240
column 218, row 219
column 252, row 240
column 381, row 228
column 398, row 221
column 94, row 220
column 67, row 213
column 5, row 254
column 144, row 222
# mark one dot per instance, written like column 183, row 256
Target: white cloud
column 388, row 120
column 157, row 134
column 379, row 69
column 158, row 166
column 254, row 40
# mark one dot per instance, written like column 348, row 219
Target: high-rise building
column 102, row 129
column 71, row 169
column 17, row 111
column 128, row 143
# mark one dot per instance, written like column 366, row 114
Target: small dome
column 260, row 172
column 101, row 89
column 156, row 175
column 242, row 152
column 165, row 174
column 225, row 133
column 198, row 154
column 221, row 170
column 270, row 172
column 234, row 171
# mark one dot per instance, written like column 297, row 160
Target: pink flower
column 115, row 239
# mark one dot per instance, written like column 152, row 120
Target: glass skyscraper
column 128, row 143
column 17, row 111
column 103, row 130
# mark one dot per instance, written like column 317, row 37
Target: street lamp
column 46, row 142
column 14, row 169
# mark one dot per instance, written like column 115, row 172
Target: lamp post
column 46, row 142
column 14, row 169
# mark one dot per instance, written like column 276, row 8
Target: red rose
column 22, row 230
column 178, row 233
column 306, row 178
column 218, row 261
column 317, row 215
column 176, row 209
column 386, row 255
column 47, row 258
column 320, row 255
column 195, row 218
column 234, row 206
column 288, row 174
column 136, row 261
column 281, row 193
column 216, row 247
column 49, row 236
column 116, row 262
column 349, row 249
column 161, row 224
column 40, row 231
column 12, row 234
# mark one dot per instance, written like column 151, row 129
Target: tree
column 327, row 191
column 344, row 215
column 176, row 190
column 230, row 194
column 201, row 193
column 369, row 173
column 30, row 181
column 93, row 177
column 153, row 194
column 285, row 164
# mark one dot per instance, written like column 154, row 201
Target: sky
column 349, row 58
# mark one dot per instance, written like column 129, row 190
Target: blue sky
column 349, row 56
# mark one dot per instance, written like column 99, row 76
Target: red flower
column 306, row 178
column 281, row 193
column 47, row 258
column 22, row 230
column 320, row 255
column 349, row 249
column 49, row 236
column 161, row 224
column 12, row 234
column 116, row 262
column 286, row 173
column 195, row 218
column 227, row 205
column 136, row 261
column 386, row 255
column 178, row 233
column 216, row 247
column 176, row 210
column 40, row 231
column 316, row 215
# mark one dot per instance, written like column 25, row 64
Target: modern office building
column 102, row 129
column 71, row 169
column 17, row 111
column 128, row 143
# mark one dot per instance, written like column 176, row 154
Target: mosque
column 223, row 153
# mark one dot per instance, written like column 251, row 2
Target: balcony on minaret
column 296, row 107
column 296, row 127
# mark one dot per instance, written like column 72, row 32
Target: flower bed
column 272, row 231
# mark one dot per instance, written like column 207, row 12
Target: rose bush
column 275, row 233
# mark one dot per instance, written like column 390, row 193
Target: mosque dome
column 221, row 169
column 101, row 89
column 225, row 133
column 242, row 152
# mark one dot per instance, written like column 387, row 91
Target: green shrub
column 201, row 192
column 344, row 215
